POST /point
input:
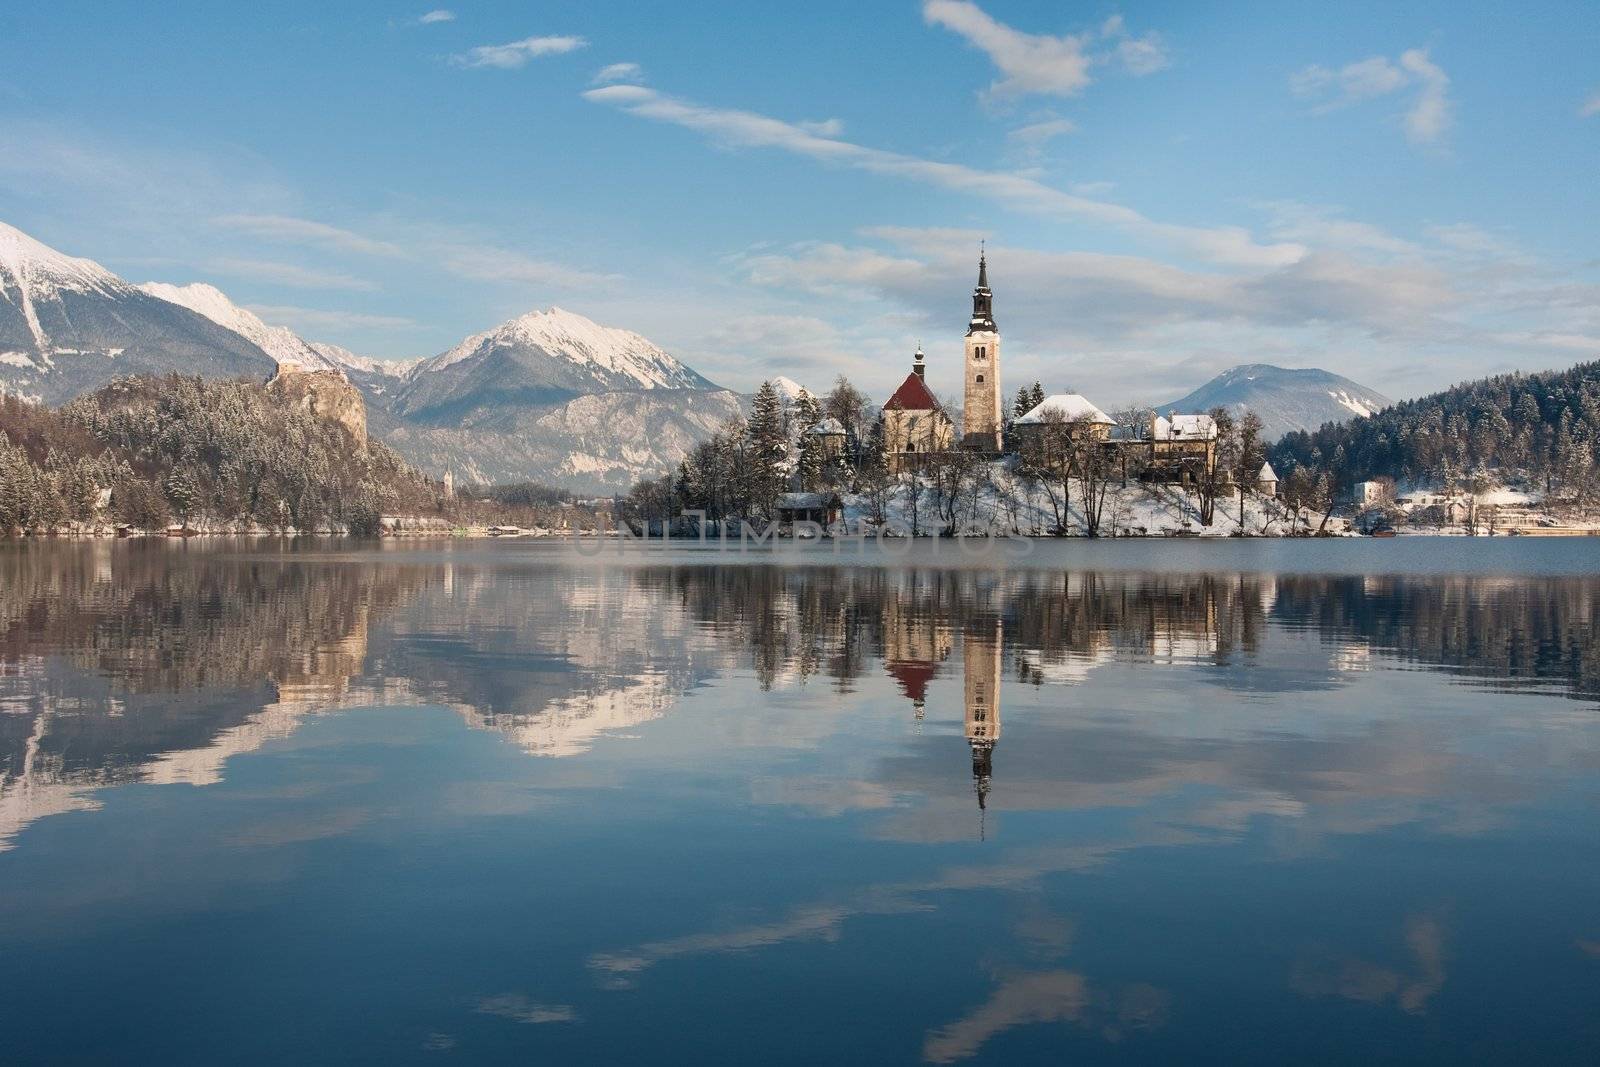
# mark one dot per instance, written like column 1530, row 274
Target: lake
column 1134, row 802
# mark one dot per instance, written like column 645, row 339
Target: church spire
column 982, row 298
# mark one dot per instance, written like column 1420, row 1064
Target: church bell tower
column 981, row 404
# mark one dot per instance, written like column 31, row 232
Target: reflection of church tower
column 980, row 657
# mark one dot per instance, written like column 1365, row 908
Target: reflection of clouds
column 1354, row 978
column 827, row 797
column 1048, row 997
column 298, row 828
column 1043, row 997
column 825, row 921
column 520, row 1009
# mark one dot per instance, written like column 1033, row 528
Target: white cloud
column 1041, row 64
column 516, row 54
column 822, row 127
column 293, row 230
column 292, row 274
column 1591, row 107
column 1429, row 117
column 491, row 264
column 618, row 72
column 1030, row 63
column 1349, row 84
column 1377, row 76
column 1225, row 244
column 1035, row 135
column 309, row 320
column 436, row 15
column 1142, row 55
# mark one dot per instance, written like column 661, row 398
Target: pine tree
column 766, row 448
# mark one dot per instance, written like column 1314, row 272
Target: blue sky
column 1406, row 194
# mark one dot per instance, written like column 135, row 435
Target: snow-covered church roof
column 1267, row 474
column 1072, row 408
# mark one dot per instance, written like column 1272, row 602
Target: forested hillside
column 1542, row 428
column 182, row 449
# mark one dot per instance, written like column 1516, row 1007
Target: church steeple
column 982, row 299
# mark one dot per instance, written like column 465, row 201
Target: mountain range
column 1284, row 399
column 549, row 396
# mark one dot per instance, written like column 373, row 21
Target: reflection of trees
column 838, row 621
column 1502, row 631
column 164, row 648
column 842, row 622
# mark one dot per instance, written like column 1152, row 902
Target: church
column 915, row 424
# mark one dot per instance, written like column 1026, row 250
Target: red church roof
column 913, row 395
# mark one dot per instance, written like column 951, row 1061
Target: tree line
column 1542, row 429
column 147, row 452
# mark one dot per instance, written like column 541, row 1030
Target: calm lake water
column 1147, row 802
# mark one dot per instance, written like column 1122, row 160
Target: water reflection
column 123, row 663
column 1066, row 802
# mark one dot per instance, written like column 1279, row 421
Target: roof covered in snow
column 1267, row 474
column 1184, row 428
column 1072, row 408
column 828, row 427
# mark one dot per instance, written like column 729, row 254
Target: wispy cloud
column 1227, row 244
column 822, row 127
column 1376, row 76
column 436, row 15
column 308, row 320
column 1429, row 117
column 1032, row 137
column 1591, row 106
column 618, row 72
column 291, row 274
column 516, row 54
column 491, row 264
column 1029, row 63
column 291, row 230
column 1042, row 64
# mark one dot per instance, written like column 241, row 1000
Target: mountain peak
column 36, row 269
column 618, row 359
column 279, row 342
column 1284, row 398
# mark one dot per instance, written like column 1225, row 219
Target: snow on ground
column 1006, row 506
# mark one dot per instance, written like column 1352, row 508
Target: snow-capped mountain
column 789, row 390
column 550, row 396
column 68, row 326
column 554, row 396
column 542, row 357
column 1282, row 398
column 279, row 342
